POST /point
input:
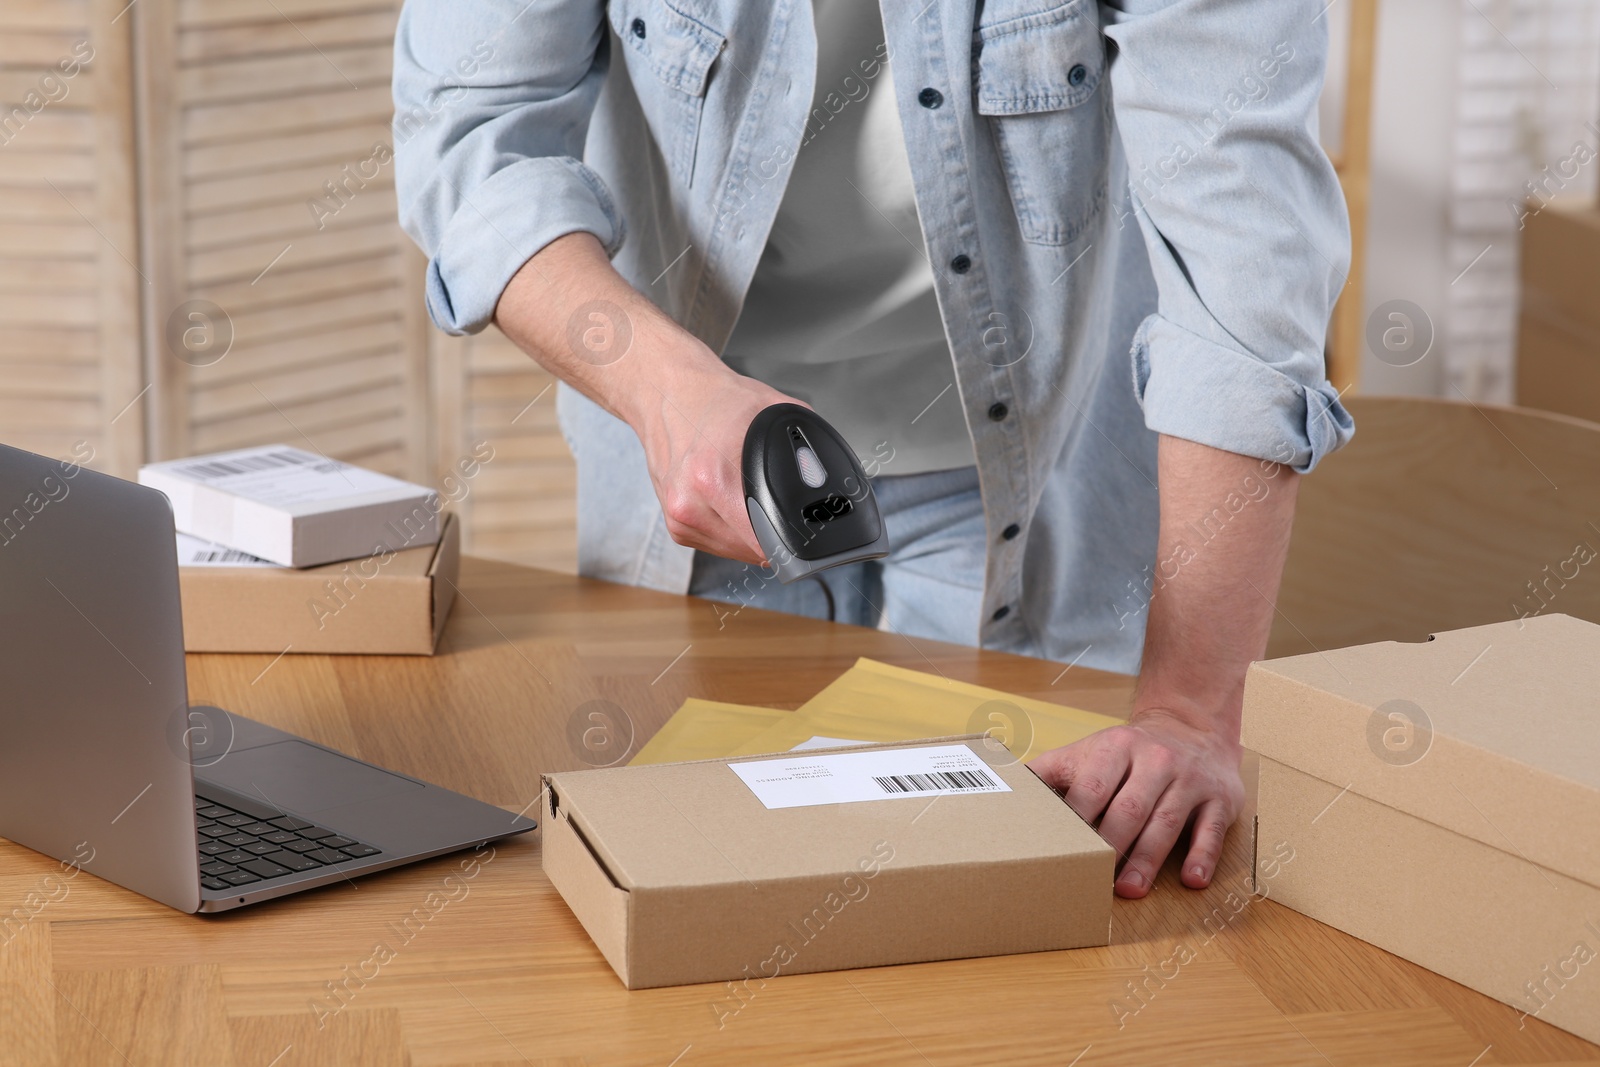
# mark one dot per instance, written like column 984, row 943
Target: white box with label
column 293, row 507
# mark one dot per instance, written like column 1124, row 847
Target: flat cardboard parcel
column 395, row 604
column 681, row 874
column 1442, row 800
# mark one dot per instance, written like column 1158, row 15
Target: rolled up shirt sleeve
column 1243, row 218
column 492, row 105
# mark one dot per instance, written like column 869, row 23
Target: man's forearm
column 1225, row 523
column 571, row 311
column 578, row 318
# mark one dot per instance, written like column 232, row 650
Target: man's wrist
column 672, row 368
column 1208, row 711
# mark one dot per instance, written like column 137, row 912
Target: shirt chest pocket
column 669, row 56
column 1038, row 80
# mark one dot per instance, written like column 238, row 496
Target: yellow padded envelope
column 874, row 701
column 871, row 701
column 706, row 729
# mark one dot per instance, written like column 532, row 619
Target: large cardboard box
column 1441, row 800
column 393, row 602
column 746, row 868
column 1558, row 346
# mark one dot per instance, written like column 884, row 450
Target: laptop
column 105, row 765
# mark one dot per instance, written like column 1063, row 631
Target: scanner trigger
column 812, row 471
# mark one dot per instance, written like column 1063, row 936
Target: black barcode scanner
column 809, row 500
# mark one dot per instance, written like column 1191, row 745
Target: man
column 691, row 209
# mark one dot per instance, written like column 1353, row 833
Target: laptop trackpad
column 295, row 776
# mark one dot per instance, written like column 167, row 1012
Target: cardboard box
column 681, row 873
column 1558, row 345
column 294, row 507
column 1441, row 800
column 395, row 602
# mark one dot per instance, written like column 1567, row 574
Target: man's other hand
column 1143, row 783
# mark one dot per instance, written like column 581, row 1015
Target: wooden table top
column 503, row 974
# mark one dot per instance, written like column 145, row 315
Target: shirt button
column 998, row 411
column 1010, row 532
column 1001, row 612
column 638, row 28
column 1076, row 75
column 930, row 98
column 961, row 264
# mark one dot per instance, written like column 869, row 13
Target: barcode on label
column 222, row 468
column 934, row 780
column 225, row 555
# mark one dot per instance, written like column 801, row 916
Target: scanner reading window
column 827, row 509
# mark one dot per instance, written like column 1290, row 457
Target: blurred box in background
column 1558, row 344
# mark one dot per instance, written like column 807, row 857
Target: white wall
column 1472, row 99
column 1413, row 137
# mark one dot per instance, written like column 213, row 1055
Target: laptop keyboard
column 237, row 849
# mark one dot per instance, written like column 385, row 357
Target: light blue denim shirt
column 1135, row 176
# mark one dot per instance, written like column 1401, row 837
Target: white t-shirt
column 841, row 312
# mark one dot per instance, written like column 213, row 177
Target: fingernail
column 1198, row 873
column 1133, row 879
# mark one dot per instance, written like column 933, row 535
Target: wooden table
column 503, row 974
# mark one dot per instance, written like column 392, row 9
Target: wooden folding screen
column 285, row 301
column 521, row 506
column 70, row 376
column 198, row 251
column 1347, row 338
